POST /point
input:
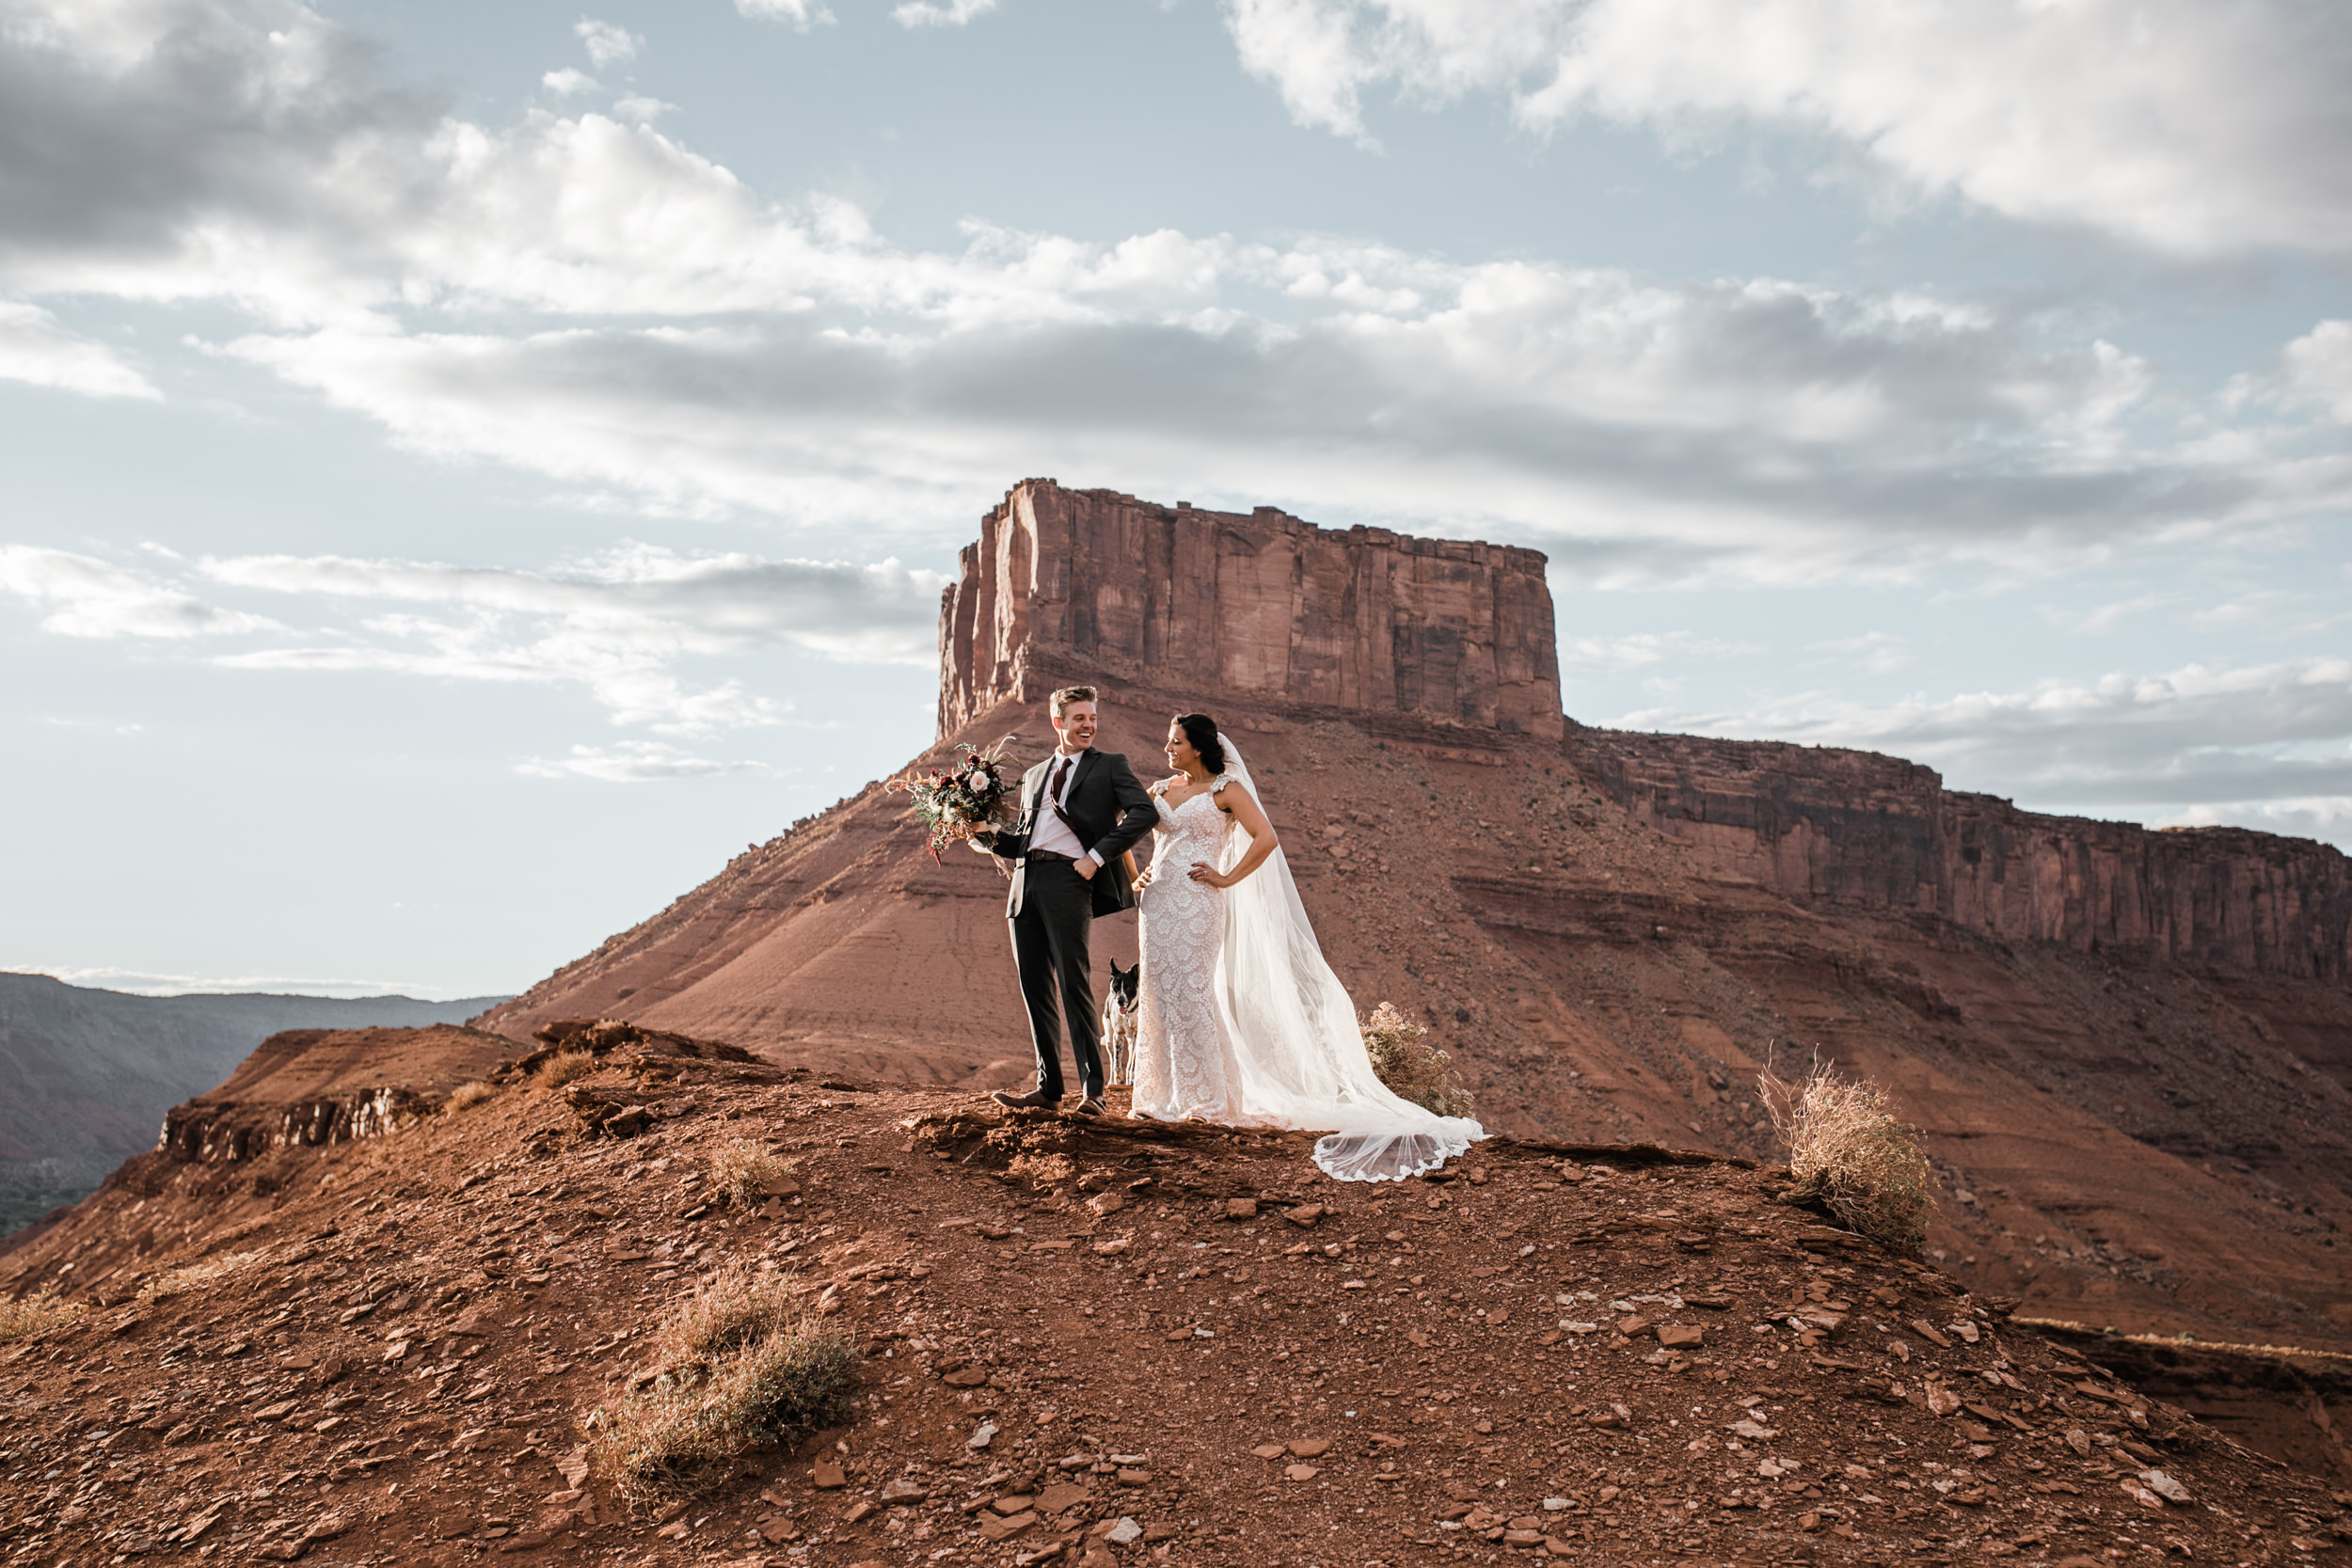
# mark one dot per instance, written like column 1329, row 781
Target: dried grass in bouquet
column 977, row 793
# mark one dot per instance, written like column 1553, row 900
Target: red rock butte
column 1259, row 606
column 2129, row 1052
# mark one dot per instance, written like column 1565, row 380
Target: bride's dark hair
column 1202, row 730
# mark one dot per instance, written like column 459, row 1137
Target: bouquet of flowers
column 976, row 794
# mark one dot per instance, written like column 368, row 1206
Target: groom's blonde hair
column 1069, row 694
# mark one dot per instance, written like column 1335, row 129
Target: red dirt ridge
column 1101, row 1343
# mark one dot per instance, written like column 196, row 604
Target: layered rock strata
column 1261, row 605
column 1862, row 831
column 311, row 1086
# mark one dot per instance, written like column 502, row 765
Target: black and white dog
column 1118, row 1022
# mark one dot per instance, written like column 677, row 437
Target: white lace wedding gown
column 1185, row 1069
column 1241, row 1021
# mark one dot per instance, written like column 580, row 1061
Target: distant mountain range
column 85, row 1075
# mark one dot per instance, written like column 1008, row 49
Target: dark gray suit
column 1050, row 905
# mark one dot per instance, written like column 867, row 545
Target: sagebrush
column 1412, row 1067
column 743, row 1171
column 739, row 1366
column 561, row 1067
column 35, row 1314
column 1848, row 1150
column 465, row 1097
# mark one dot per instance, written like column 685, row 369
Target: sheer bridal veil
column 1293, row 1029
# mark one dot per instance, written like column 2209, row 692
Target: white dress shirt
column 1049, row 832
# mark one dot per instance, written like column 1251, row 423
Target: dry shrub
column 1849, row 1152
column 744, row 1171
column 561, row 1067
column 742, row 1366
column 467, row 1096
column 1046, row 1170
column 200, row 1276
column 35, row 1314
column 1412, row 1067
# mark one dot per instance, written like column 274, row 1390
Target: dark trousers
column 1049, row 947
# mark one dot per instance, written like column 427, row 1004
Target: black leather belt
column 1052, row 855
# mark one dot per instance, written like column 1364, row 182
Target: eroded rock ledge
column 1871, row 833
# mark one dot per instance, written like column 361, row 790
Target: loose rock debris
column 398, row 1350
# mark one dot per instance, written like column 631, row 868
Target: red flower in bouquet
column 974, row 793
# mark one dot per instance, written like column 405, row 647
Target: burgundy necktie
column 1053, row 796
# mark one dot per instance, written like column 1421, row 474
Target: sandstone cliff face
column 1262, row 605
column 308, row 1086
column 1871, row 833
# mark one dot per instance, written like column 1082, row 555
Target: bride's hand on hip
column 1203, row 872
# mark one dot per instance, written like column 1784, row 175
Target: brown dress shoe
column 1030, row 1101
column 1089, row 1107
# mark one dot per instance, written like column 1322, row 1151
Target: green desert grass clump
column 743, row 1171
column 28, row 1316
column 1412, row 1067
column 465, row 1097
column 1849, row 1152
column 739, row 1366
column 561, row 1067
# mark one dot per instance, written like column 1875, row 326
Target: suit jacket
column 1112, row 812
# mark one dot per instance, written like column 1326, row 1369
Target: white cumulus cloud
column 619, row 624
column 84, row 597
column 36, row 348
column 630, row 762
column 1646, row 649
column 799, row 14
column 2318, row 369
column 607, row 43
column 638, row 109
column 952, row 13
column 597, row 302
column 2187, row 127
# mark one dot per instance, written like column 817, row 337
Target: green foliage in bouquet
column 976, row 794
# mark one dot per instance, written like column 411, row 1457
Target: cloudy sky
column 473, row 468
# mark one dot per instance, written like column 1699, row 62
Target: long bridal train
column 1243, row 1021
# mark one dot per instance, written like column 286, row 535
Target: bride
column 1241, row 1019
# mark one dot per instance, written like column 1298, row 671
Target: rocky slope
column 87, row 1074
column 2158, row 1145
column 1103, row 1343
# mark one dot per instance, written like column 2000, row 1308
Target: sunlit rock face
column 1262, row 605
column 1864, row 831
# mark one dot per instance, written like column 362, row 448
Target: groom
column 1081, row 810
